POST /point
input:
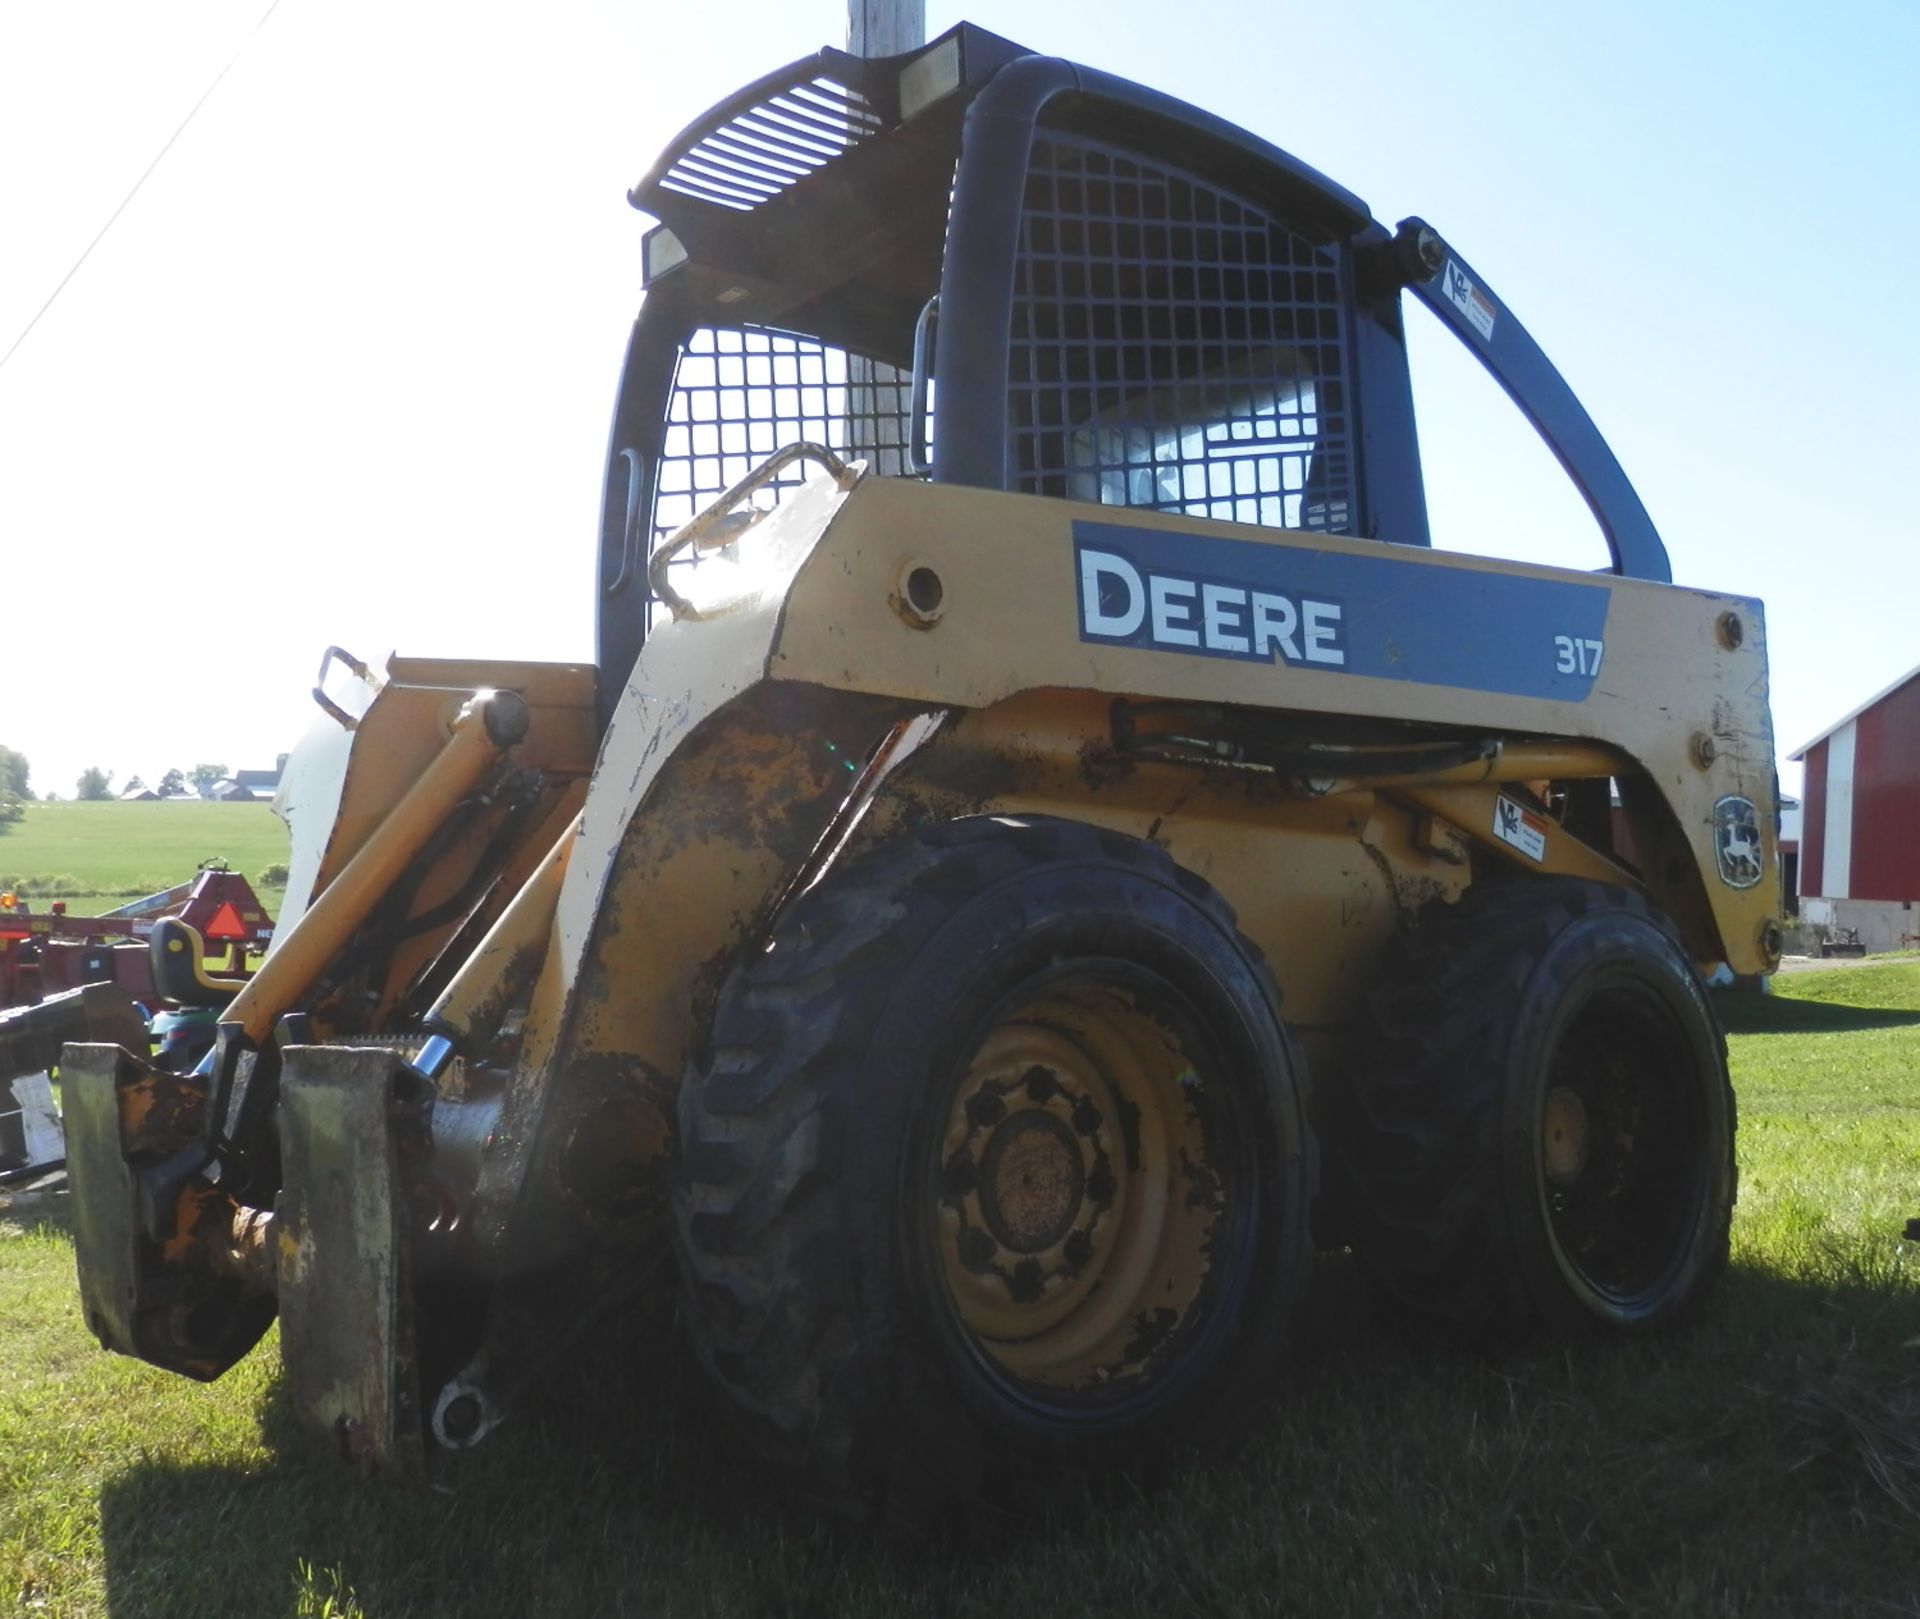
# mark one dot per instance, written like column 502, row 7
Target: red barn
column 1860, row 834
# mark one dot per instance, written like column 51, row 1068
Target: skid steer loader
column 1039, row 791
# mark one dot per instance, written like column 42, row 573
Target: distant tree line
column 14, row 791
column 95, row 784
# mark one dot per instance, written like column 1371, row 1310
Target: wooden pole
column 885, row 27
column 874, row 432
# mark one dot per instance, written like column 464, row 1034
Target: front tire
column 997, row 1164
column 1541, row 1132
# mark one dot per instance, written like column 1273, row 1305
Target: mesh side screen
column 1174, row 347
column 740, row 394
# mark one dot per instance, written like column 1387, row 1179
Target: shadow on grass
column 611, row 1459
column 1746, row 1013
column 1767, row 1455
column 39, row 1214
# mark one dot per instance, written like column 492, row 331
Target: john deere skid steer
column 1039, row 795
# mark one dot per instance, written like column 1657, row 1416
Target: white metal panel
column 686, row 672
column 1836, row 873
column 308, row 800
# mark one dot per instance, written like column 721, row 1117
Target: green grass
column 98, row 856
column 1764, row 1459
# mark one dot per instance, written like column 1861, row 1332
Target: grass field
column 98, row 856
column 1764, row 1459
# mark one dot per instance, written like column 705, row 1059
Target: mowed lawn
column 98, row 856
column 1764, row 1459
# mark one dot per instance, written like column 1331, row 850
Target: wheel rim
column 1624, row 1160
column 1077, row 1197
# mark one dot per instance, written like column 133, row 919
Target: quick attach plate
column 344, row 1259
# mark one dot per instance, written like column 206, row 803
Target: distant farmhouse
column 244, row 786
column 1860, row 825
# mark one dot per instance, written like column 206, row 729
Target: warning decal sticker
column 1470, row 300
column 1515, row 824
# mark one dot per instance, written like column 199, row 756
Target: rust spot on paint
column 1151, row 1330
column 137, row 1102
column 160, row 1112
column 194, row 1210
column 1204, row 1190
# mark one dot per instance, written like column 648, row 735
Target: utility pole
column 876, row 391
column 885, row 27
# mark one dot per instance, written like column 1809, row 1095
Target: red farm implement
column 207, row 930
column 154, row 973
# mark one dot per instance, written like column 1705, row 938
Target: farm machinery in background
column 153, row 975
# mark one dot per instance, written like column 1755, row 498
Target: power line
column 137, row 184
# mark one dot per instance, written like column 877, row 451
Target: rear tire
column 1540, row 1134
column 997, row 1164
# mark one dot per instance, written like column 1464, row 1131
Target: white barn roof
column 1853, row 714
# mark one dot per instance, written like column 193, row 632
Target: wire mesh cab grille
column 741, row 393
column 778, row 140
column 1174, row 347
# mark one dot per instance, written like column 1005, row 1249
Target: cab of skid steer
column 983, row 267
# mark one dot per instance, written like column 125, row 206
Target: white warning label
column 39, row 1117
column 1470, row 300
column 1515, row 824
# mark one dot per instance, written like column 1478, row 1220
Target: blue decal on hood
column 1392, row 616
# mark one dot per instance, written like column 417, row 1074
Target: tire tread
column 1416, row 1131
column 756, row 1210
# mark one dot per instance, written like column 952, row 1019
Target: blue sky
column 341, row 371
